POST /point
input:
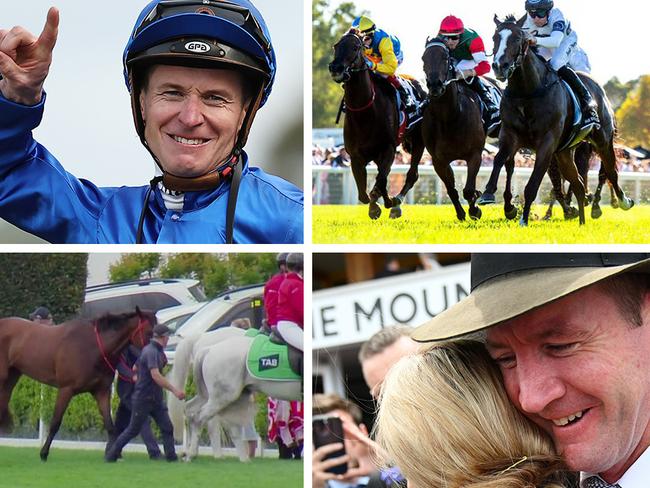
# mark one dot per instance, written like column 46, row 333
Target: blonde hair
column 445, row 420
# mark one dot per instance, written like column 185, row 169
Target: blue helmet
column 204, row 34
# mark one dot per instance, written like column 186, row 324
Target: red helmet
column 451, row 25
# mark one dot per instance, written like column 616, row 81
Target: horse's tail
column 199, row 381
column 178, row 377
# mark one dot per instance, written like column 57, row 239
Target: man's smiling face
column 192, row 117
column 577, row 368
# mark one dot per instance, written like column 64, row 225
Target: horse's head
column 510, row 46
column 348, row 57
column 438, row 68
column 143, row 331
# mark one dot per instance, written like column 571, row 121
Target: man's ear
column 142, row 110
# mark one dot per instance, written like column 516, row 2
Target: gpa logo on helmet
column 197, row 47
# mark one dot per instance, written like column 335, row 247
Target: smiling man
column 571, row 335
column 197, row 72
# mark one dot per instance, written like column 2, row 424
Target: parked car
column 246, row 302
column 174, row 317
column 151, row 294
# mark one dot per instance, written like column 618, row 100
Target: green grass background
column 437, row 224
column 22, row 468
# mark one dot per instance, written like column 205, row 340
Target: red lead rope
column 368, row 105
column 100, row 345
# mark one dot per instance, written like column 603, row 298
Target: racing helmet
column 295, row 261
column 281, row 258
column 451, row 26
column 538, row 5
column 364, row 24
column 216, row 34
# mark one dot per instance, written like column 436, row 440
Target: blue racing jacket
column 40, row 197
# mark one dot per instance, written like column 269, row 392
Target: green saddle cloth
column 269, row 361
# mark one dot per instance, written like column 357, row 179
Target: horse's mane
column 511, row 18
column 115, row 321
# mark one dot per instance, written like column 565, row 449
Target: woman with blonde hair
column 445, row 420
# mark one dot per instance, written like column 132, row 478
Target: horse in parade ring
column 186, row 352
column 76, row 357
column 370, row 131
column 225, row 385
column 536, row 112
column 453, row 126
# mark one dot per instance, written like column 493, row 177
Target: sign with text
column 351, row 314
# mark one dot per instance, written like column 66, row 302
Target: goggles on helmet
column 236, row 14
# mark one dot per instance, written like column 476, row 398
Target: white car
column 174, row 317
column 247, row 302
column 154, row 294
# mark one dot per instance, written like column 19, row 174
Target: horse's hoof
column 510, row 213
column 486, row 199
column 364, row 199
column 596, row 212
column 523, row 222
column 461, row 216
column 395, row 213
column 396, row 201
column 374, row 212
column 547, row 217
column 571, row 213
column 44, row 456
column 614, row 203
column 627, row 203
column 475, row 213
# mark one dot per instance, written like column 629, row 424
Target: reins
column 359, row 69
column 102, row 350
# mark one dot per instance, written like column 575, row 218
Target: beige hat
column 505, row 286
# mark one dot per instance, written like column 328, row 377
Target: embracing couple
column 539, row 378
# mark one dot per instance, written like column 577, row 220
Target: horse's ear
column 497, row 21
column 520, row 22
column 426, row 43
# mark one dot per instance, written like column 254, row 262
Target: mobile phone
column 328, row 429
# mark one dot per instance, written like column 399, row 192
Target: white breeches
column 290, row 332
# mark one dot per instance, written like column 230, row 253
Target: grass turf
column 437, row 224
column 22, row 468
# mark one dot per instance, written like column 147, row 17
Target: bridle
column 521, row 55
column 451, row 69
column 139, row 330
column 357, row 66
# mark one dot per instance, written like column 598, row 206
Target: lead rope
column 105, row 358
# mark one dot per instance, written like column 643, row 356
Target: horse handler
column 147, row 397
column 570, row 334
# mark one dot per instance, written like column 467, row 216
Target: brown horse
column 537, row 113
column 76, row 357
column 371, row 125
column 452, row 127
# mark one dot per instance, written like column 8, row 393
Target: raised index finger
column 51, row 29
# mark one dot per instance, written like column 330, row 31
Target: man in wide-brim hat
column 570, row 334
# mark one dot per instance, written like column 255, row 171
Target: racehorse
column 76, row 357
column 183, row 362
column 452, row 127
column 537, row 113
column 370, row 130
column 224, row 387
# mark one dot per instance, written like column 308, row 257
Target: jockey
column 271, row 289
column 290, row 311
column 556, row 41
column 383, row 55
column 467, row 48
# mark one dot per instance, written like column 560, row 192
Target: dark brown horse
column 371, row 126
column 537, row 113
column 76, row 357
column 452, row 127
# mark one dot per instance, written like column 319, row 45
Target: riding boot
column 493, row 118
column 407, row 99
column 590, row 118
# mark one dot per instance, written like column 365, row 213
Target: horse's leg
column 380, row 189
column 507, row 149
column 62, row 400
column 192, row 408
column 555, row 175
column 570, row 172
column 544, row 156
column 103, row 399
column 412, row 175
column 7, row 383
column 214, row 432
column 488, row 195
column 361, row 179
column 596, row 211
column 446, row 174
column 608, row 162
column 469, row 192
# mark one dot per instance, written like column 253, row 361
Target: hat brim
column 509, row 296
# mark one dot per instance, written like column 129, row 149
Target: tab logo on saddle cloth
column 269, row 362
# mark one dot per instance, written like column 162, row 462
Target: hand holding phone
column 328, row 430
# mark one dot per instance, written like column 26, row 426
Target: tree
column 56, row 281
column 634, row 115
column 327, row 28
column 134, row 266
column 617, row 91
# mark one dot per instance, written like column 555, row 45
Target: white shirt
column 636, row 475
column 551, row 35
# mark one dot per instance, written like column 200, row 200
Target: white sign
column 351, row 314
